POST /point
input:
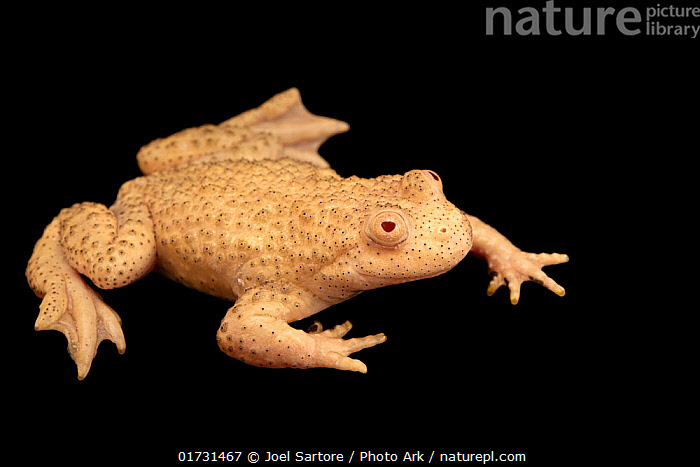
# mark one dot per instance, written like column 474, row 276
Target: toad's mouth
column 383, row 278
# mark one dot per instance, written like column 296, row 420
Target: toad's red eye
column 387, row 227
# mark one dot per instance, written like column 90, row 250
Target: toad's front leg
column 255, row 331
column 509, row 265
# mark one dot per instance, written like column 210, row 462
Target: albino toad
column 248, row 211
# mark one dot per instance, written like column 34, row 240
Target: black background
column 560, row 143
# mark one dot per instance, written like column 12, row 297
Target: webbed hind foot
column 73, row 308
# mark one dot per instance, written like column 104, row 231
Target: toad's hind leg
column 285, row 116
column 113, row 248
column 280, row 127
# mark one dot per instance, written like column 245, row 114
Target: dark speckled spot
column 536, row 281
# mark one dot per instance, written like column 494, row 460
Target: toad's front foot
column 335, row 350
column 518, row 266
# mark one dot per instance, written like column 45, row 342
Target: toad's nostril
column 388, row 226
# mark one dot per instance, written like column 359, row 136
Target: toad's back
column 226, row 225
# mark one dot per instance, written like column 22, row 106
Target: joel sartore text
column 667, row 20
column 430, row 457
column 386, row 456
